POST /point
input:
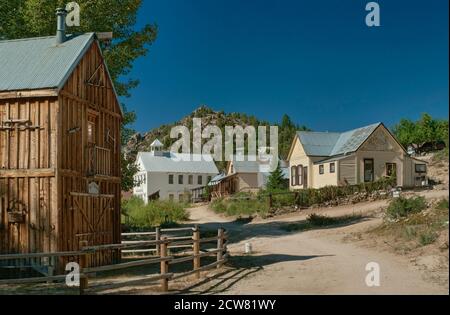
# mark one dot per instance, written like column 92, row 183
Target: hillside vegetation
column 287, row 130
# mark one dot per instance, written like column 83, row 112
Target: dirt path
column 313, row 262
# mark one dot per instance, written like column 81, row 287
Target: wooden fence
column 161, row 244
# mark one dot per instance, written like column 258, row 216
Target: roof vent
column 61, row 26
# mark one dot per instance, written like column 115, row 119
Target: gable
column 296, row 150
column 381, row 140
column 91, row 81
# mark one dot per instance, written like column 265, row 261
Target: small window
column 200, row 180
column 321, row 169
column 91, row 132
column 369, row 170
column 180, row 179
column 332, row 167
column 209, row 179
column 293, row 175
column 191, row 180
column 170, row 179
column 171, row 197
column 300, row 175
column 421, row 168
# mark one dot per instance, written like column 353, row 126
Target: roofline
column 46, row 92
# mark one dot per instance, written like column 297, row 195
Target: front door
column 305, row 177
column 391, row 171
column 368, row 170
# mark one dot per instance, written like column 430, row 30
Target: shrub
column 155, row 213
column 242, row 204
column 428, row 237
column 402, row 207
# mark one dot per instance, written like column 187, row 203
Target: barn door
column 92, row 224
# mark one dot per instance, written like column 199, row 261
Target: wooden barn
column 60, row 119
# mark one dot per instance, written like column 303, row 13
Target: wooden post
column 196, row 238
column 84, row 282
column 164, row 265
column 158, row 238
column 270, row 201
column 220, row 241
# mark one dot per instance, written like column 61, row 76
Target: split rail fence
column 189, row 249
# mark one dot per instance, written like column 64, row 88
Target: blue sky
column 316, row 61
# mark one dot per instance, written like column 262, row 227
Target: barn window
column 332, row 168
column 300, row 175
column 91, row 128
column 293, row 175
column 321, row 169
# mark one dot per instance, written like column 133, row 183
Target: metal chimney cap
column 61, row 11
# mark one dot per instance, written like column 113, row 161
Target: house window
column 293, row 175
column 332, row 168
column 321, row 169
column 421, row 168
column 391, row 169
column 171, row 197
column 191, row 180
column 300, row 175
column 200, row 180
column 368, row 170
column 180, row 179
column 209, row 179
column 170, row 179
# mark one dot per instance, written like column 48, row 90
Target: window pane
column 191, row 179
column 180, row 179
column 170, row 179
column 200, row 180
column 332, row 167
column 321, row 169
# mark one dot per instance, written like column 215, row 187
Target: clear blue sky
column 316, row 61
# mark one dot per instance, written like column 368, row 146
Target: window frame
column 171, row 179
column 180, row 179
column 199, row 180
column 191, row 180
column 294, row 175
column 321, row 169
column 373, row 171
column 420, row 164
column 333, row 170
column 300, row 175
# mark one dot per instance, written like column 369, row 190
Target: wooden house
column 363, row 155
column 60, row 119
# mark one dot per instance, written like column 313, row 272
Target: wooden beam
column 27, row 173
column 26, row 94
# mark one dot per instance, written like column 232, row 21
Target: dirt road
column 312, row 262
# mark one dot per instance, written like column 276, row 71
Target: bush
column 402, row 207
column 156, row 213
column 241, row 205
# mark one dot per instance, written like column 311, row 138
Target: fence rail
column 162, row 242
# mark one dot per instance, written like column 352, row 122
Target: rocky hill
column 141, row 142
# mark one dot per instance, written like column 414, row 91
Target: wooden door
column 92, row 224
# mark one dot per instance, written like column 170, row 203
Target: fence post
column 158, row 238
column 164, row 265
column 196, row 239
column 84, row 282
column 270, row 201
column 220, row 242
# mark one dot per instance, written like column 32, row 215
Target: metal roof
column 38, row 63
column 178, row 163
column 333, row 143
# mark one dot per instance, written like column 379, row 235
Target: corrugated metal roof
column 178, row 163
column 334, row 143
column 38, row 63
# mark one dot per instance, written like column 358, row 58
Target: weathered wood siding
column 28, row 162
column 90, row 92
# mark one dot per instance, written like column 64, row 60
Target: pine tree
column 276, row 180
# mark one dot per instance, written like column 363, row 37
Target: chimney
column 61, row 26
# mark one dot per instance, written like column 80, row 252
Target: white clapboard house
column 171, row 176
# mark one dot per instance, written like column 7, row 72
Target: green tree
column 32, row 18
column 276, row 180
